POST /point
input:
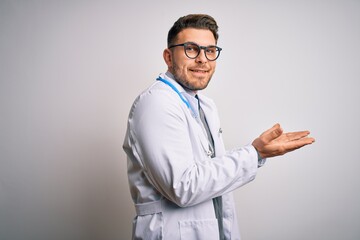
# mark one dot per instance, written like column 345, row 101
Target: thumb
column 272, row 133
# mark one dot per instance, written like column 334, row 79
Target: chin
column 198, row 88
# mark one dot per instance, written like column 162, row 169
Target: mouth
column 199, row 70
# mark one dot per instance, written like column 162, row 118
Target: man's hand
column 274, row 142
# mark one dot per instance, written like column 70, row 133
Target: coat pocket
column 205, row 229
column 148, row 227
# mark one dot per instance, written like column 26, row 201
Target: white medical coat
column 171, row 176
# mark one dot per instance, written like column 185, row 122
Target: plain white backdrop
column 69, row 71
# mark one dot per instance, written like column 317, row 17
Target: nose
column 201, row 58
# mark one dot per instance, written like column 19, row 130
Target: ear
column 167, row 57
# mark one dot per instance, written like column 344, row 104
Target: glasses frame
column 218, row 49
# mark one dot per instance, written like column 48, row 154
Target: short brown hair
column 199, row 21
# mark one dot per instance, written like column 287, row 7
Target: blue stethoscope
column 179, row 93
column 211, row 150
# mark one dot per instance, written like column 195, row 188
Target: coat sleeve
column 159, row 132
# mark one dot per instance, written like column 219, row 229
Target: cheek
column 181, row 65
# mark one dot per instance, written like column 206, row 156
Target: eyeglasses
column 192, row 50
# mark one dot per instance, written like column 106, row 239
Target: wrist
column 258, row 154
column 261, row 160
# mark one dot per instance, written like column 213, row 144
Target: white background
column 69, row 71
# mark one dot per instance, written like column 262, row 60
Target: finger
column 296, row 144
column 291, row 136
column 277, row 125
column 272, row 133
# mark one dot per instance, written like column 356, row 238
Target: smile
column 198, row 70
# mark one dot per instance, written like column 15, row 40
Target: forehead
column 202, row 37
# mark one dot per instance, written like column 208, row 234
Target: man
column 181, row 178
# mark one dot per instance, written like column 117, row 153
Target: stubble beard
column 184, row 82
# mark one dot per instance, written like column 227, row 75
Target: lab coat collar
column 189, row 95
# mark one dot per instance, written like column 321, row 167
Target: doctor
column 180, row 176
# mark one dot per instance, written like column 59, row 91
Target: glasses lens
column 212, row 52
column 191, row 50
